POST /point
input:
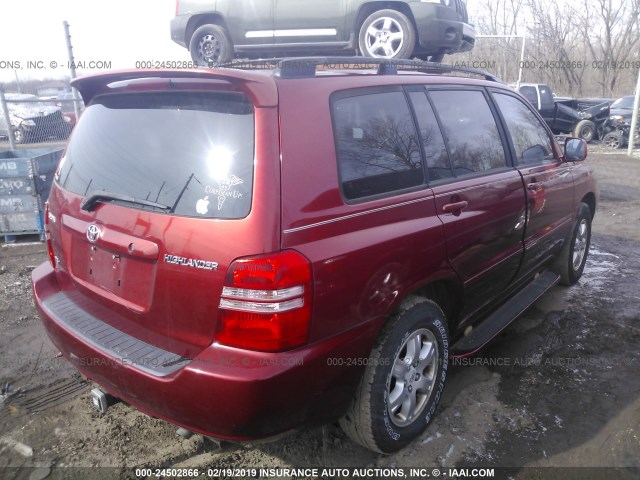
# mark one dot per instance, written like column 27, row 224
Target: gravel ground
column 559, row 388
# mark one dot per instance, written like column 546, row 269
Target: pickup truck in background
column 579, row 118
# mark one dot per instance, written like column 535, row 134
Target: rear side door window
column 376, row 144
column 471, row 132
column 531, row 141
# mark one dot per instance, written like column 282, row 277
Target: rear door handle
column 455, row 208
column 535, row 186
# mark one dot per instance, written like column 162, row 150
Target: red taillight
column 177, row 7
column 266, row 303
column 47, row 236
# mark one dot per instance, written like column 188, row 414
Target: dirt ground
column 559, row 388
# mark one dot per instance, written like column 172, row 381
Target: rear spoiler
column 259, row 87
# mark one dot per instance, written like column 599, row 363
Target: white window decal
column 223, row 191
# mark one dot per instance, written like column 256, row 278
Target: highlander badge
column 190, row 262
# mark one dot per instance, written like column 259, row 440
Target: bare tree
column 499, row 17
column 555, row 48
column 579, row 47
column 611, row 33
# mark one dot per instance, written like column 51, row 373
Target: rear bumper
column 223, row 392
column 440, row 29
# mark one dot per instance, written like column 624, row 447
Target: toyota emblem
column 93, row 233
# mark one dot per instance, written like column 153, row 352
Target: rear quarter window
column 192, row 152
column 377, row 145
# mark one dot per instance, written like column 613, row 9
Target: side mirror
column 575, row 150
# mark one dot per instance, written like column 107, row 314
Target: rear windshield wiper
column 95, row 198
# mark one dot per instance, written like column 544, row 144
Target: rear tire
column 403, row 381
column 211, row 46
column 573, row 257
column 586, row 130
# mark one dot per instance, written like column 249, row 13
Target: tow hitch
column 100, row 400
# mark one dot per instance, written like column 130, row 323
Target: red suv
column 240, row 252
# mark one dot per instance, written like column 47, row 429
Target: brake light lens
column 177, row 7
column 47, row 235
column 266, row 302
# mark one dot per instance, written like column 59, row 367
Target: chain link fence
column 33, row 131
column 27, row 120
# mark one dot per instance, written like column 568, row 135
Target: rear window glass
column 377, row 145
column 190, row 152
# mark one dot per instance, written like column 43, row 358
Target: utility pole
column 5, row 112
column 72, row 65
column 522, row 51
column 15, row 73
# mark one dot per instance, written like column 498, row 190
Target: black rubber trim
column 67, row 309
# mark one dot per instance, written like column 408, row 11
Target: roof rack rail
column 304, row 67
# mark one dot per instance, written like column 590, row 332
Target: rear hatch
column 154, row 199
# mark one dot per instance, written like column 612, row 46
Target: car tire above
column 573, row 257
column 403, row 380
column 586, row 130
column 387, row 34
column 211, row 45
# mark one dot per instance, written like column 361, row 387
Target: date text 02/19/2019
column 579, row 65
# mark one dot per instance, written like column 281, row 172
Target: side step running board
column 503, row 316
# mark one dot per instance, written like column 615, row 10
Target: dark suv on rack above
column 241, row 252
column 215, row 31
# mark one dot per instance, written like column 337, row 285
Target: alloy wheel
column 412, row 378
column 384, row 38
column 580, row 244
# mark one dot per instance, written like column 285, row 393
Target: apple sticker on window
column 202, row 207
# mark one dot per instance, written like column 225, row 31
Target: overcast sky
column 117, row 31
